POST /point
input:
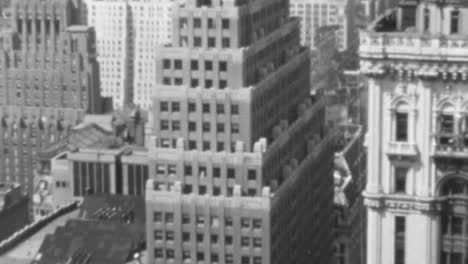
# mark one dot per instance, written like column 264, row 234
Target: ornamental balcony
column 451, row 146
column 401, row 148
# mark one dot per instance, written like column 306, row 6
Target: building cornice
column 426, row 205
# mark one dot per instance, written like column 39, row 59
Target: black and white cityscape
column 233, row 131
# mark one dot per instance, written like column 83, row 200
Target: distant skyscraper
column 318, row 13
column 128, row 33
column 417, row 64
column 49, row 78
column 238, row 172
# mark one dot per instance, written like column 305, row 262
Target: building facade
column 416, row 189
column 318, row 13
column 49, row 78
column 14, row 210
column 236, row 161
column 128, row 32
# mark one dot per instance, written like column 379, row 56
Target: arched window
column 446, row 124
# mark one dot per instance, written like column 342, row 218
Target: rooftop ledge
column 408, row 45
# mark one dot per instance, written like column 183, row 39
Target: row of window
column 192, row 107
column 177, row 64
column 168, row 236
column 171, row 169
column 193, row 145
column 168, row 218
column 214, row 258
column 211, row 23
column 174, row 125
column 195, row 83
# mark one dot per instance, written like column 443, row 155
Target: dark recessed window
column 194, row 83
column 223, row 66
column 194, row 65
column 225, row 23
column 222, row 84
column 192, row 126
column 166, row 64
column 402, row 126
column 206, row 108
column 192, row 107
column 454, row 22
column 164, row 106
column 196, row 22
column 208, row 65
column 211, row 42
column 197, row 42
column 220, row 109
column 401, row 174
column 235, row 109
column 178, row 64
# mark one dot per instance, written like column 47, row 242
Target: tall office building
column 417, row 64
column 49, row 78
column 318, row 13
column 238, row 171
column 128, row 33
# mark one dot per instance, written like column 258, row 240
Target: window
column 235, row 109
column 257, row 242
column 170, row 254
column 194, row 83
column 400, row 179
column 157, row 217
column 214, row 239
column 214, row 258
column 228, row 240
column 231, row 173
column 188, row 170
column 200, row 219
column 245, row 222
column 219, row 146
column 200, row 256
column 175, row 125
column 257, row 223
column 192, row 107
column 427, row 16
column 199, row 238
column 223, row 66
column 245, row 260
column 167, row 81
column 257, row 260
column 194, row 65
column 206, row 127
column 211, row 42
column 206, row 108
column 208, row 83
column 160, row 169
column 228, row 221
column 211, row 23
column 186, row 236
column 245, row 241
column 185, row 218
column 216, row 172
column 220, row 128
column 202, row 190
column 192, row 126
column 446, row 124
column 225, row 23
column 197, row 42
column 457, row 225
column 186, row 255
column 226, row 43
column 216, row 191
column 158, row 235
column 208, row 65
column 222, row 84
column 400, row 230
column 219, row 108
column 178, row 64
column 164, row 125
column 196, row 22
column 164, row 106
column 192, row 144
column 170, row 218
column 166, row 64
column 175, row 107
column 234, row 128
column 229, row 259
column 402, row 127
column 252, row 175
column 158, row 253
column 454, row 21
column 206, row 145
column 169, row 236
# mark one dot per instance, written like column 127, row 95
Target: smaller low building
column 110, row 229
column 14, row 213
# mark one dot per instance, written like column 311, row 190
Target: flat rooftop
column 27, row 250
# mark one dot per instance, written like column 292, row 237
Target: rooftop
column 119, row 208
column 26, row 251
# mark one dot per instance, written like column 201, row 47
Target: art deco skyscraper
column 417, row 64
column 128, row 33
column 238, row 170
column 49, row 78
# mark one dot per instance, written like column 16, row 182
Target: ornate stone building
column 416, row 59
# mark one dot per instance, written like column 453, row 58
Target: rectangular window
column 211, row 42
column 222, row 84
column 447, row 124
column 206, row 108
column 158, row 235
column 235, row 109
column 164, row 106
column 211, row 23
column 245, row 222
column 400, row 233
column 169, row 236
column 178, row 64
column 208, row 84
column 208, row 65
column 457, row 225
column 175, row 107
column 401, row 173
column 220, row 128
column 223, row 66
column 220, row 108
column 186, row 236
column 402, row 127
column 231, row 173
column 206, row 127
column 454, row 22
column 225, row 23
column 245, row 241
column 427, row 16
column 188, row 170
column 194, row 83
column 197, row 23
column 226, row 42
column 166, row 64
column 197, row 42
column 158, row 253
column 157, row 217
column 200, row 238
column 175, row 125
column 169, row 218
column 192, row 145
column 164, row 125
column 234, row 128
column 194, row 65
column 228, row 221
column 192, row 107
column 220, row 146
column 185, row 218
column 206, row 145
column 192, row 126
column 228, row 240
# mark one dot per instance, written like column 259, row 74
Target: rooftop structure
column 14, row 213
column 416, row 59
